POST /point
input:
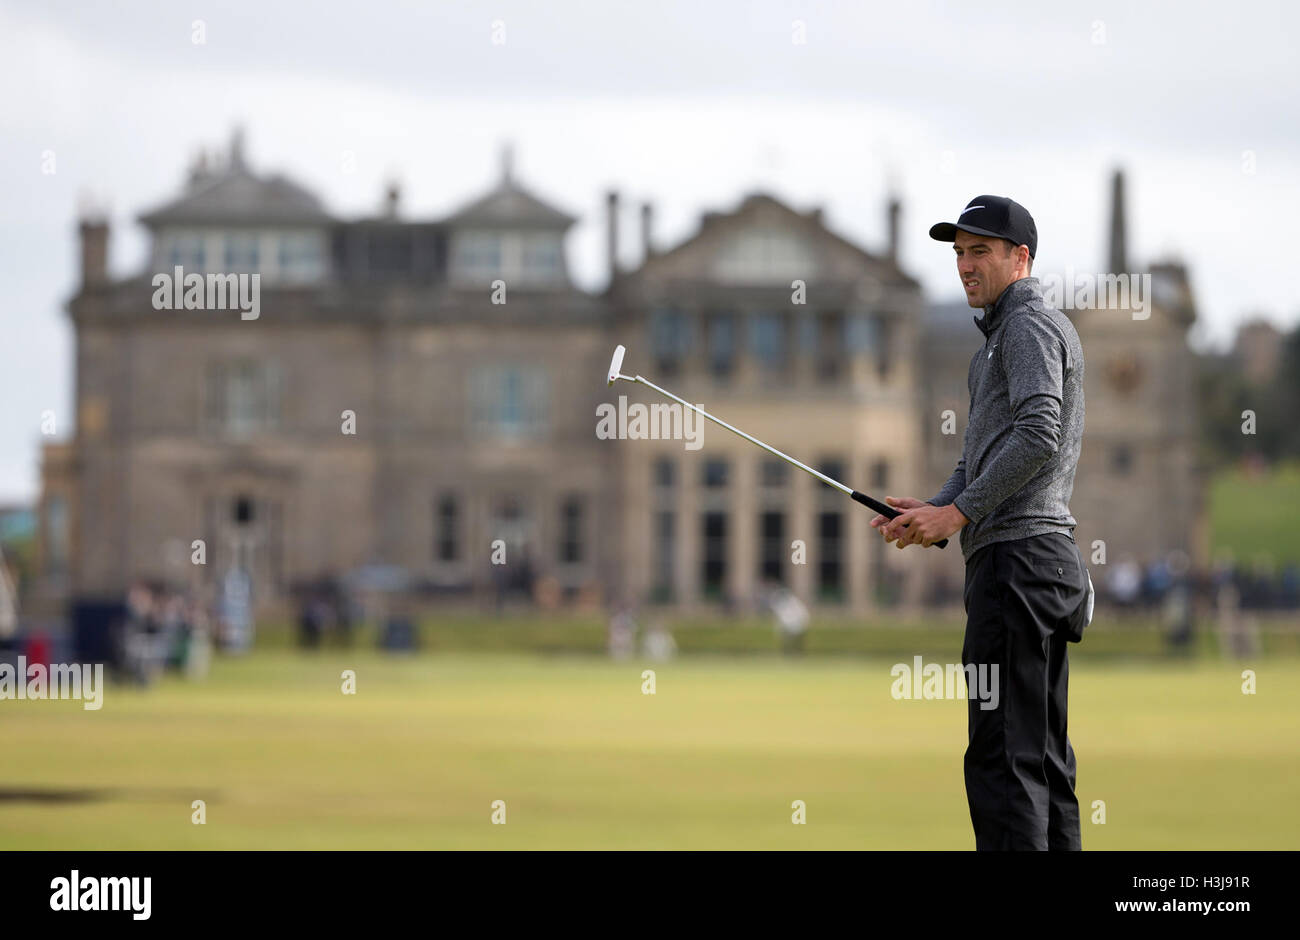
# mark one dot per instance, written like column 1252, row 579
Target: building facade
column 426, row 394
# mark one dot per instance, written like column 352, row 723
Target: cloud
column 685, row 104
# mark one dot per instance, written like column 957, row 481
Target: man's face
column 986, row 266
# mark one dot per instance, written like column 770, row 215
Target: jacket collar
column 1015, row 293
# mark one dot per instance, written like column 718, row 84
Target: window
column 767, row 338
column 722, row 345
column 243, row 511
column 859, row 333
column 808, row 333
column 243, row 397
column 829, row 499
column 832, row 467
column 665, row 538
column 478, row 255
column 1121, row 460
column 670, row 339
column 715, row 474
column 187, row 250
column 830, row 347
column 880, row 475
column 664, row 485
column 766, row 255
column 241, row 252
column 509, row 402
column 445, row 529
column 884, row 337
column 571, row 530
column 771, row 527
column 542, row 257
column 299, row 256
column 714, row 531
column 773, row 473
column 830, row 567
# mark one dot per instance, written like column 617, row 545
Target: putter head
column 616, row 363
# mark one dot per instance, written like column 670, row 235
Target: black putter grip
column 886, row 510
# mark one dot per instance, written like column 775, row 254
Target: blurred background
column 388, row 442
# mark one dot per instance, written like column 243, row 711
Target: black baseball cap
column 996, row 216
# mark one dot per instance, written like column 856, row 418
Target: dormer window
column 186, row 251
column 525, row 258
column 231, row 220
column 509, row 234
column 542, row 260
column 300, row 256
column 765, row 256
column 478, row 255
column 241, row 252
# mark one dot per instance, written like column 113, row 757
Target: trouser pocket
column 1083, row 616
column 1049, row 572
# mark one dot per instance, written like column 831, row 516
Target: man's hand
column 920, row 524
column 898, row 502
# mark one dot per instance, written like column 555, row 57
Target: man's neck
column 990, row 320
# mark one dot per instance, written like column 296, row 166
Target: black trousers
column 1025, row 600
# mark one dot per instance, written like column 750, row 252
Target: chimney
column 612, row 222
column 94, row 251
column 199, row 168
column 507, row 163
column 237, row 150
column 1118, row 239
column 647, row 227
column 392, row 199
column 895, row 209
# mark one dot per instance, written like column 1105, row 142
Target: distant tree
column 1224, row 394
column 1222, row 397
column 1286, row 396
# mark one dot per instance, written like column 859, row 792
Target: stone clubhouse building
column 423, row 393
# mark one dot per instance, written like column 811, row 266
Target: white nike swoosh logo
column 968, row 209
column 991, row 348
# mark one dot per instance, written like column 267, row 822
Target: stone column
column 802, row 526
column 857, row 532
column 686, row 576
column 742, row 536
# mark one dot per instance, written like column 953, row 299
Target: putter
column 889, row 512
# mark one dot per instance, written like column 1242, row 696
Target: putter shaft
column 882, row 508
column 846, row 490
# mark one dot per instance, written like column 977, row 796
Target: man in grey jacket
column 1027, row 591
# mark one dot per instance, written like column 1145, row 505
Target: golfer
column 1028, row 591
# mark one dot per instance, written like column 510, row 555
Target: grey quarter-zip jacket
column 1025, row 429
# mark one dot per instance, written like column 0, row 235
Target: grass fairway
column 584, row 760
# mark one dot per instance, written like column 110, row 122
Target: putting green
column 583, row 759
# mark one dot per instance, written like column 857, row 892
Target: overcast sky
column 688, row 104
